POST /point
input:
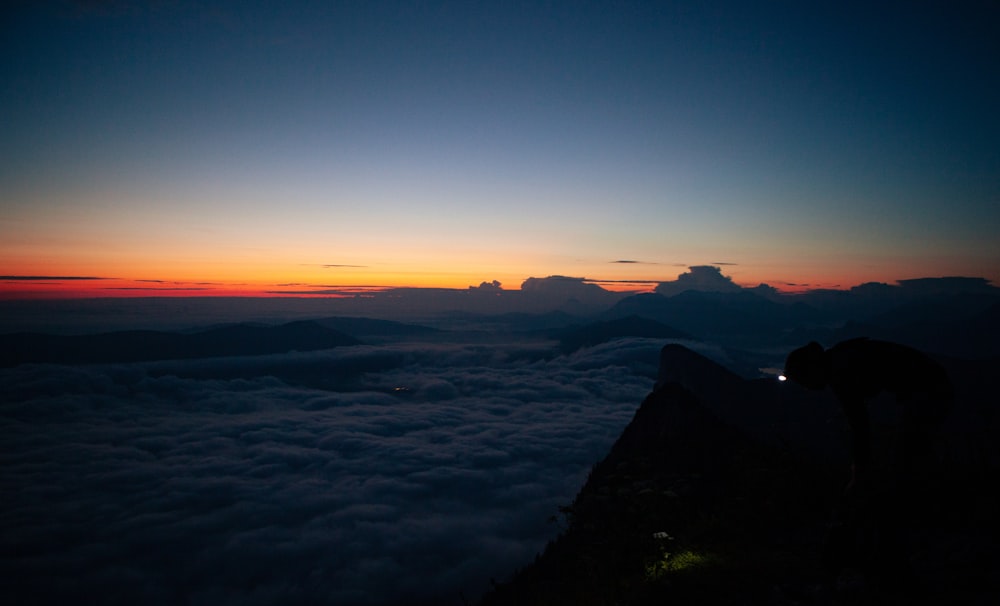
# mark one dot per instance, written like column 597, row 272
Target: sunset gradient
column 272, row 148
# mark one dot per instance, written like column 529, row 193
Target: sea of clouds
column 302, row 478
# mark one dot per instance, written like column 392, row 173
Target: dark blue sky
column 448, row 143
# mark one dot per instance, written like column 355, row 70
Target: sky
column 174, row 147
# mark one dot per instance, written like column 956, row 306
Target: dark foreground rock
column 689, row 508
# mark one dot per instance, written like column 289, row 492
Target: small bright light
column 782, row 378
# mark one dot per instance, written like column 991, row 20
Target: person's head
column 807, row 366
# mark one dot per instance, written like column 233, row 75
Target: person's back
column 861, row 368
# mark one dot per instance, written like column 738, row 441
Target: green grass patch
column 677, row 562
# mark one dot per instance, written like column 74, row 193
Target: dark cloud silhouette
column 635, row 282
column 947, row 285
column 766, row 290
column 494, row 286
column 317, row 291
column 60, row 278
column 156, row 288
column 705, row 278
column 239, row 480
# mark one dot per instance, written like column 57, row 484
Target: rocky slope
column 696, row 504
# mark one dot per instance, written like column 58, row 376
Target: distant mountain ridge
column 372, row 327
column 962, row 324
column 148, row 345
column 588, row 335
column 714, row 313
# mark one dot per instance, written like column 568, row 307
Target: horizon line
column 16, row 288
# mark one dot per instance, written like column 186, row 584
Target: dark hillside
column 141, row 346
column 371, row 327
column 682, row 501
column 691, row 508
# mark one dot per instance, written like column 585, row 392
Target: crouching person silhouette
column 858, row 370
column 871, row 527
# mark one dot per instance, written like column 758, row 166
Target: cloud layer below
column 218, row 482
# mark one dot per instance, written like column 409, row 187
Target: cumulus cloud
column 494, row 286
column 706, row 278
column 766, row 290
column 306, row 477
column 559, row 290
column 558, row 284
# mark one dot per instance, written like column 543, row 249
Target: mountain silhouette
column 514, row 322
column 371, row 327
column 147, row 345
column 680, row 490
column 574, row 338
column 710, row 314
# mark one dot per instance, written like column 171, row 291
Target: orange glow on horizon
column 284, row 279
column 41, row 287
